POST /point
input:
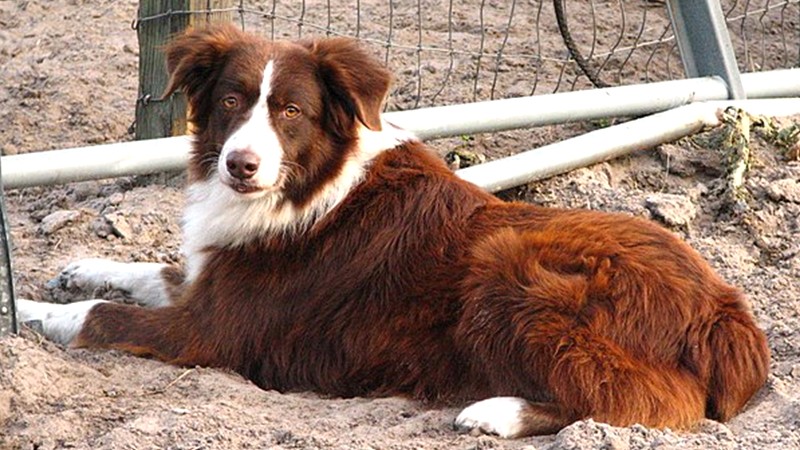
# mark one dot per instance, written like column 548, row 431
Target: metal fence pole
column 8, row 310
column 704, row 42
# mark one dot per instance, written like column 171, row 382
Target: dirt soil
column 69, row 73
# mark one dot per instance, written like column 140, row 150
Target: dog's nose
column 242, row 164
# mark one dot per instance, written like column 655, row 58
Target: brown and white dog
column 330, row 251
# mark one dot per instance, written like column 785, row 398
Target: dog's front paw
column 85, row 275
column 59, row 323
column 139, row 282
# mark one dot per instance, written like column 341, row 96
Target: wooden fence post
column 158, row 21
column 156, row 117
column 216, row 11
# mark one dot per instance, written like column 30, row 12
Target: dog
column 328, row 250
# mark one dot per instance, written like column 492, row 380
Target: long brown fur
column 421, row 284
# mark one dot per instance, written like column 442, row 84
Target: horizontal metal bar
column 622, row 101
column 156, row 155
column 96, row 162
column 772, row 84
column 539, row 110
column 612, row 142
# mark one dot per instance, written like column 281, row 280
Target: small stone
column 101, row 227
column 686, row 162
column 116, row 198
column 786, row 189
column 38, row 215
column 119, row 225
column 672, row 209
column 85, row 190
column 110, row 393
column 460, row 158
column 57, row 220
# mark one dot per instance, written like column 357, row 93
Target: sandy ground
column 69, row 78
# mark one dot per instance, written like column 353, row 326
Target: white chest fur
column 216, row 216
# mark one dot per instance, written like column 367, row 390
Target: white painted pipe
column 538, row 110
column 95, row 162
column 621, row 101
column 140, row 157
column 612, row 142
column 772, row 84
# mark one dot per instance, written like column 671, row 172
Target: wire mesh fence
column 448, row 51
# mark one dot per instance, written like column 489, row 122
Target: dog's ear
column 353, row 78
column 195, row 58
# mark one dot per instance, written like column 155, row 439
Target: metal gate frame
column 705, row 50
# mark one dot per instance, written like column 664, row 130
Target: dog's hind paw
column 512, row 417
column 501, row 416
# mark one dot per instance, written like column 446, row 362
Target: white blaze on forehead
column 257, row 135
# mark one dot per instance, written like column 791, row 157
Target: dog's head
column 276, row 118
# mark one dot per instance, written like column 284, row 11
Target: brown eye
column 291, row 111
column 230, row 102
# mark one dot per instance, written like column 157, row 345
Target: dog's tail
column 738, row 358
